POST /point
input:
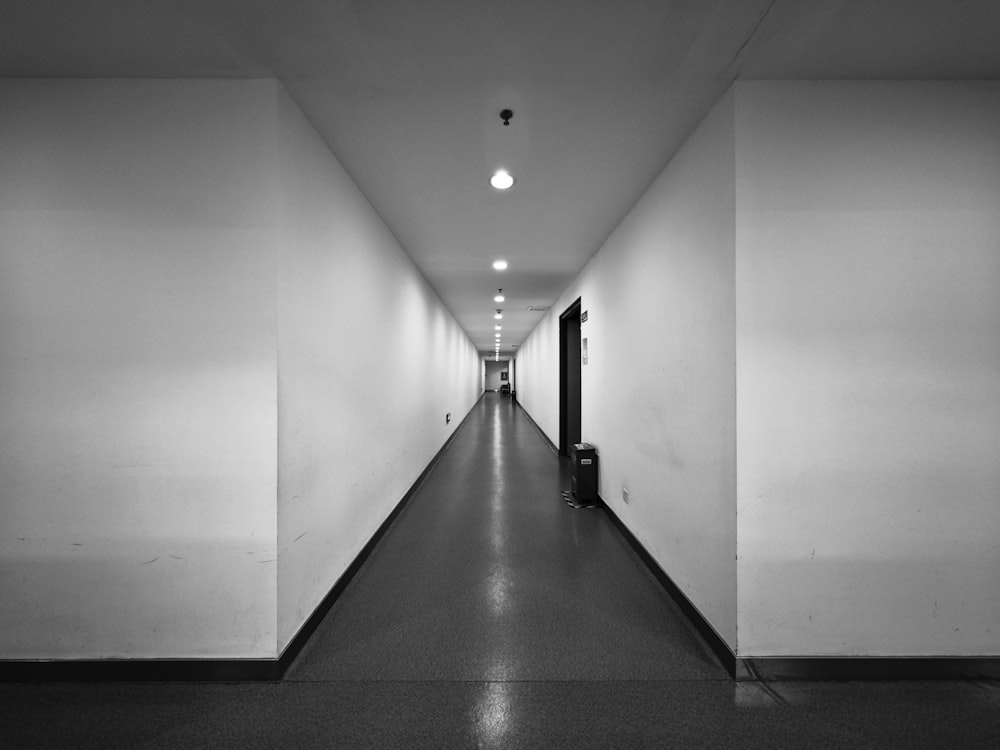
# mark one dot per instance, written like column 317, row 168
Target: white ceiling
column 407, row 93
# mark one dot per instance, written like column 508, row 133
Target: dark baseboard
column 552, row 446
column 212, row 670
column 815, row 669
column 141, row 670
column 707, row 632
column 312, row 622
column 819, row 669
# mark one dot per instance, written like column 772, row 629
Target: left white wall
column 202, row 322
column 137, row 384
column 353, row 310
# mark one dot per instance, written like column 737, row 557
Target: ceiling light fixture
column 499, row 265
column 498, row 316
column 497, row 328
column 505, row 115
column 499, row 297
column 501, row 180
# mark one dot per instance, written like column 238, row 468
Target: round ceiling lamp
column 501, row 180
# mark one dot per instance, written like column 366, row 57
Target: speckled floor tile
column 457, row 714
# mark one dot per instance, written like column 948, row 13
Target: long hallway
column 488, row 575
column 491, row 614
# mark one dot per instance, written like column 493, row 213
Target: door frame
column 570, row 402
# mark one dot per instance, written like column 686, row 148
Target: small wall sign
column 583, row 316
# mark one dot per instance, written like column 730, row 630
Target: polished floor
column 492, row 614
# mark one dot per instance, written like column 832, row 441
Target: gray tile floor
column 493, row 615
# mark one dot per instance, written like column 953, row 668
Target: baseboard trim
column 140, row 670
column 552, row 446
column 306, row 630
column 704, row 628
column 870, row 668
column 214, row 670
column 814, row 669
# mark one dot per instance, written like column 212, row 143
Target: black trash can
column 583, row 457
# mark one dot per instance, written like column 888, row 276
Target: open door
column 569, row 378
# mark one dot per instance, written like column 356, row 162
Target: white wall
column 865, row 361
column 537, row 363
column 353, row 310
column 658, row 392
column 137, row 379
column 156, row 237
column 868, row 236
column 493, row 370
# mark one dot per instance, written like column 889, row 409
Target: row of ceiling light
column 501, row 180
column 498, row 316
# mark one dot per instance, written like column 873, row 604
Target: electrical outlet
column 447, row 418
column 625, row 494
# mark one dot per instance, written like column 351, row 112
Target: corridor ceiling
column 407, row 94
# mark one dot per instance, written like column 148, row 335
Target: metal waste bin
column 583, row 457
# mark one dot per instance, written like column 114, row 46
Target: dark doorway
column 569, row 378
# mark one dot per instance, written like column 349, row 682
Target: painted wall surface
column 353, row 310
column 537, row 363
column 658, row 392
column 201, row 321
column 868, row 270
column 493, row 370
column 137, row 379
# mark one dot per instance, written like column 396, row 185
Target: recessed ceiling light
column 499, row 297
column 500, row 265
column 498, row 316
column 497, row 328
column 501, row 180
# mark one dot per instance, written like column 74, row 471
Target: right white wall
column 794, row 366
column 658, row 389
column 868, row 309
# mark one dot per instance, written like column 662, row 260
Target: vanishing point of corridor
column 492, row 614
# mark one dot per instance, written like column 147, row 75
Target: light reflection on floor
column 493, row 714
